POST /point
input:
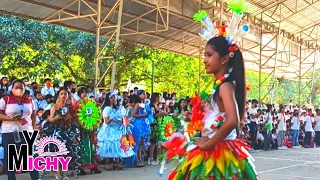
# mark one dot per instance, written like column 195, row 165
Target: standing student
column 282, row 128
column 225, row 62
column 17, row 111
column 317, row 127
column 268, row 128
column 254, row 115
column 308, row 129
column 47, row 89
column 295, row 126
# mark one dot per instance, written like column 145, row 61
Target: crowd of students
column 266, row 126
column 46, row 109
column 282, row 127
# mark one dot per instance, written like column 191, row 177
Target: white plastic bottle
column 16, row 135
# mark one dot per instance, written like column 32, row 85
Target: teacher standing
column 17, row 111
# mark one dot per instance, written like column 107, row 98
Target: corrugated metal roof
column 182, row 35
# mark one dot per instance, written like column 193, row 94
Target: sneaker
column 282, row 148
column 252, row 150
column 152, row 162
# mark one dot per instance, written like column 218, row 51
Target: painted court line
column 303, row 152
column 311, row 164
column 285, row 167
column 282, row 159
column 300, row 177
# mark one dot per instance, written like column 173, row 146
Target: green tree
column 36, row 50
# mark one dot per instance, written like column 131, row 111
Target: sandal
column 61, row 176
column 109, row 167
column 75, row 175
column 138, row 164
column 118, row 166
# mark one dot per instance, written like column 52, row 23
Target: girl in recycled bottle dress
column 141, row 130
column 180, row 115
column 109, row 134
column 62, row 125
column 154, row 137
column 218, row 154
column 88, row 139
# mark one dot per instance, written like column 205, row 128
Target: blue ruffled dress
column 109, row 135
column 141, row 131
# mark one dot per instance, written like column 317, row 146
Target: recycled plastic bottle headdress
column 232, row 32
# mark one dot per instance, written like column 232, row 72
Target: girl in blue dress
column 141, row 129
column 109, row 134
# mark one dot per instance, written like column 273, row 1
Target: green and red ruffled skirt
column 229, row 159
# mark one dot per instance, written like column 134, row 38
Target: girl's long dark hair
column 137, row 98
column 82, row 90
column 179, row 107
column 56, row 96
column 154, row 97
column 221, row 46
column 269, row 107
column 108, row 103
column 2, row 86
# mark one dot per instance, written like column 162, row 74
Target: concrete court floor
column 291, row 164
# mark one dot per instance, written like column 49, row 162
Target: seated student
column 38, row 101
column 274, row 143
column 2, row 93
column 39, row 118
column 301, row 137
column 47, row 103
column 260, row 140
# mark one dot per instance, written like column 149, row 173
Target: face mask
column 73, row 90
column 18, row 92
column 48, row 84
column 56, row 89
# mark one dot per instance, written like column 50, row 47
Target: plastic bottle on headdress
column 243, row 30
column 206, row 34
column 208, row 23
column 233, row 26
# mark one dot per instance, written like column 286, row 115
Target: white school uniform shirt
column 40, row 104
column 45, row 90
column 10, row 106
column 9, row 89
column 91, row 94
column 291, row 107
column 317, row 121
column 308, row 127
column 29, row 89
column 32, row 94
column 75, row 97
column 295, row 123
column 252, row 111
column 282, row 122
